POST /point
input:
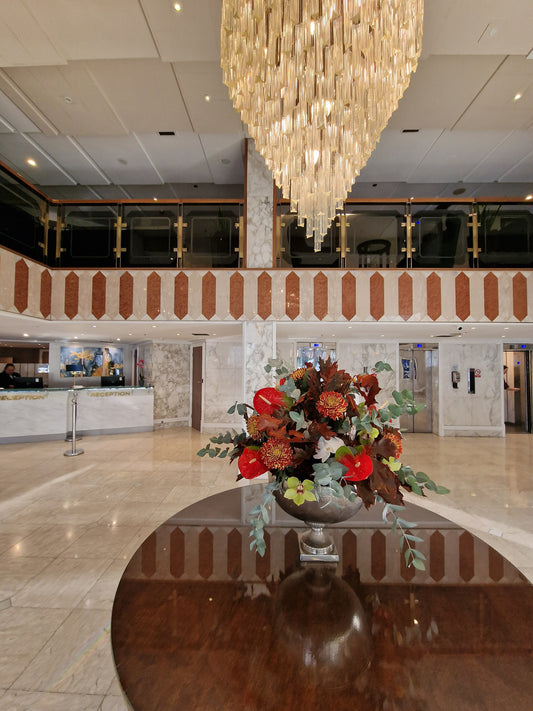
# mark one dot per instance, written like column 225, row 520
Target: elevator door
column 517, row 397
column 416, row 375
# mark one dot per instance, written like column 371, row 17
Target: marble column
column 259, row 207
column 259, row 344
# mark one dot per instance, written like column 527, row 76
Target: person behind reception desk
column 7, row 377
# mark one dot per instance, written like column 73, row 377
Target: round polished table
column 202, row 623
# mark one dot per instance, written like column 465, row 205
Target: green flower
column 299, row 491
column 393, row 464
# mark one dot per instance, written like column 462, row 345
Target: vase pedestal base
column 317, row 546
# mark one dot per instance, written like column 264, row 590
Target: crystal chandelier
column 316, row 82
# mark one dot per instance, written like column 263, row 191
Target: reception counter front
column 37, row 415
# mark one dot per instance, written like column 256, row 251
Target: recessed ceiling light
column 529, row 197
column 75, row 338
column 517, row 97
column 26, row 335
column 118, row 339
column 207, row 97
column 31, row 162
column 67, row 99
column 177, row 7
column 94, row 326
column 155, row 199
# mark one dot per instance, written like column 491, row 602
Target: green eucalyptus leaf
column 418, row 564
column 421, row 477
column 418, row 554
column 232, row 409
column 410, row 537
column 381, row 366
column 337, row 488
column 441, row 490
column 264, row 512
column 406, row 524
column 398, row 397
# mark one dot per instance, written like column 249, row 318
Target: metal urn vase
column 316, row 544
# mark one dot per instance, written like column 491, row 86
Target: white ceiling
column 16, row 329
column 85, row 88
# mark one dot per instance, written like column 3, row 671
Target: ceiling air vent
column 167, row 133
column 410, row 130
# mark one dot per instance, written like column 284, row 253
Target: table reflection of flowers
column 323, row 437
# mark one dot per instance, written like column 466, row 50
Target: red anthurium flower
column 250, row 465
column 267, row 400
column 359, row 466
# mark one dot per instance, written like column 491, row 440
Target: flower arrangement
column 321, row 431
column 140, row 377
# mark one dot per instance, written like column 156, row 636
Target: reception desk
column 37, row 415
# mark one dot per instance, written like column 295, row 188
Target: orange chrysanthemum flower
column 252, row 427
column 332, row 405
column 395, row 439
column 276, row 453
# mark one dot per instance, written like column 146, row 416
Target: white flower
column 326, row 447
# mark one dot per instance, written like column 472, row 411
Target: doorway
column 197, row 382
column 517, row 397
column 313, row 352
column 418, row 368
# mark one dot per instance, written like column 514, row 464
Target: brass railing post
column 408, row 249
column 279, row 249
column 60, row 226
column 180, row 249
column 343, row 248
column 240, row 249
column 118, row 249
column 44, row 220
column 475, row 224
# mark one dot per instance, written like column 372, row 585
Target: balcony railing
column 210, row 234
column 414, row 234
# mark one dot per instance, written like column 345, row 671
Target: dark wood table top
column 201, row 623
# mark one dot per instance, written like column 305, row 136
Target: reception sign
column 89, row 361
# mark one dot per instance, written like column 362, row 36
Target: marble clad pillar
column 259, row 344
column 259, row 206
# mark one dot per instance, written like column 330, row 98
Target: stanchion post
column 74, row 452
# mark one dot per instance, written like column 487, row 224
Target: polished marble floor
column 68, row 526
